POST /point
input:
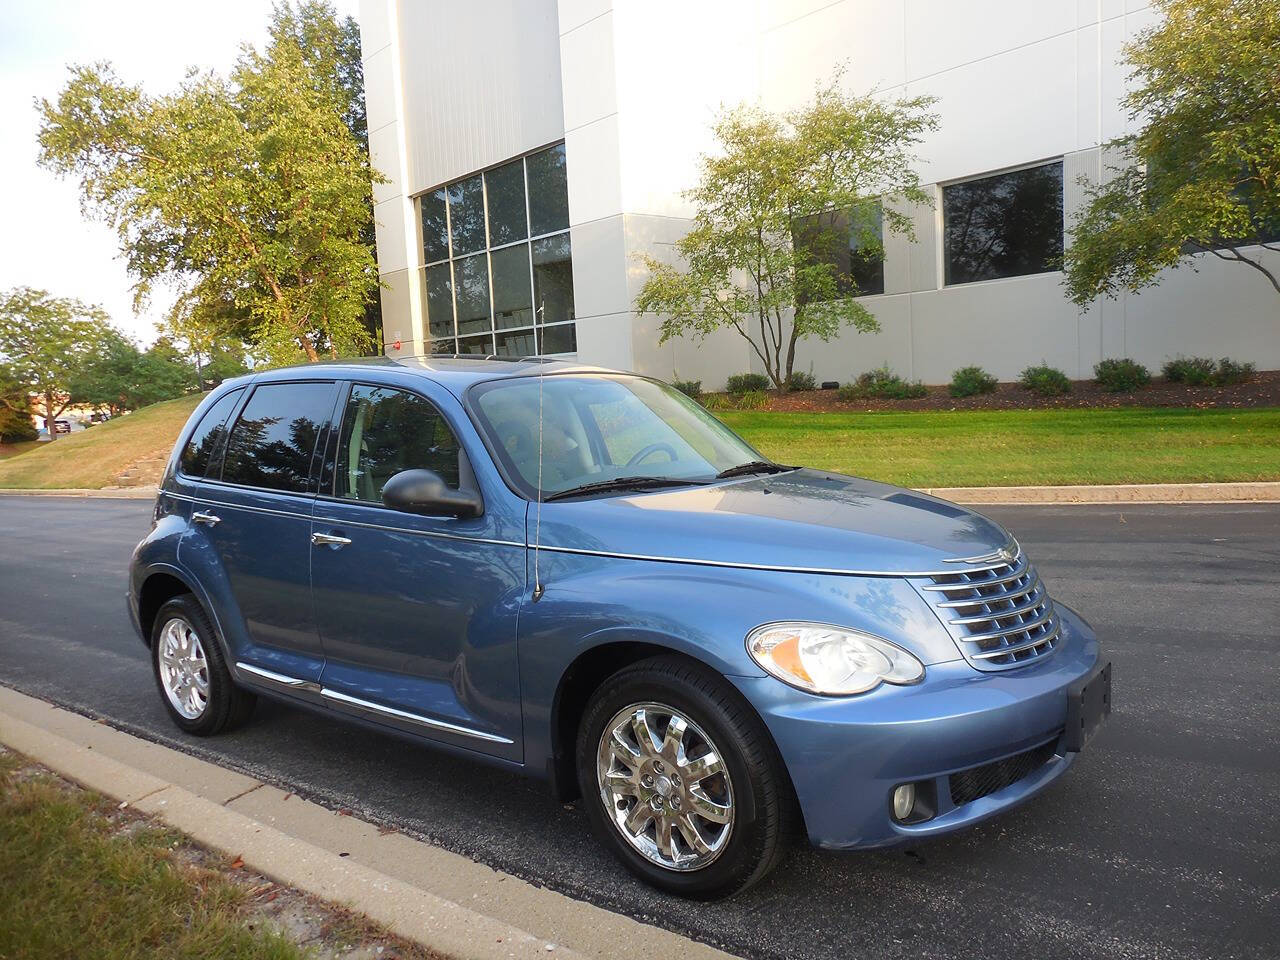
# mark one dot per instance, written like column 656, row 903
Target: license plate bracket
column 1088, row 706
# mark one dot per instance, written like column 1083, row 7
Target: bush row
column 1116, row 375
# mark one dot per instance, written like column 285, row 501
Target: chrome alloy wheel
column 665, row 786
column 184, row 670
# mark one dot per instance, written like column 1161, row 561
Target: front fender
column 703, row 612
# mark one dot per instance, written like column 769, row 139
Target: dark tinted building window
column 489, row 288
column 194, row 460
column 851, row 242
column 548, row 192
column 385, row 431
column 1008, row 225
column 274, row 438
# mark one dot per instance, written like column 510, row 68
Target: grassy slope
column 97, row 456
column 1003, row 448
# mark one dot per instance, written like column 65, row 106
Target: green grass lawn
column 73, row 886
column 1015, row 447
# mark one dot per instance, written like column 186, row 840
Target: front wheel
column 681, row 780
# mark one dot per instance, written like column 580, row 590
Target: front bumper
column 846, row 755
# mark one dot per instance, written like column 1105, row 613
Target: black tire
column 228, row 705
column 764, row 805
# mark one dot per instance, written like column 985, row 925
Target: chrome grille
column 997, row 609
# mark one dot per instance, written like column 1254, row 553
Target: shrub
column 1193, row 371
column 971, row 381
column 690, row 388
column 1230, row 372
column 1045, row 380
column 882, row 384
column 716, row 401
column 1121, row 375
column 17, row 428
column 799, row 380
column 743, row 382
column 753, row 400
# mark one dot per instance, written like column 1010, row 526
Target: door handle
column 202, row 516
column 329, row 539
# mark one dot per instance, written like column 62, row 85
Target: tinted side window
column 385, row 431
column 207, row 435
column 272, row 442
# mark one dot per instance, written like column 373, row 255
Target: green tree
column 119, row 376
column 779, row 196
column 1203, row 173
column 44, row 342
column 248, row 190
column 15, row 410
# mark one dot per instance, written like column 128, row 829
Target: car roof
column 452, row 371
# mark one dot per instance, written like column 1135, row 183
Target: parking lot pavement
column 1160, row 842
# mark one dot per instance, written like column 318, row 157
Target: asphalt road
column 1162, row 841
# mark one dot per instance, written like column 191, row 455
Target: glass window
column 553, row 279
column 471, row 275
column 272, row 442
column 512, row 303
column 562, row 338
column 481, row 276
column 206, row 436
column 516, row 343
column 440, row 300
column 435, row 227
column 466, row 215
column 1008, row 225
column 481, row 346
column 504, row 190
column 385, row 431
column 850, row 244
column 548, row 191
column 602, row 428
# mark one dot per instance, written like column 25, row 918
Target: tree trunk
column 48, row 416
column 309, row 347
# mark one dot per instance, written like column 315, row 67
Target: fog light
column 904, row 801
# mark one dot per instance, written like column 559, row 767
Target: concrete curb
column 1262, row 491
column 1255, row 492
column 412, row 888
column 107, row 493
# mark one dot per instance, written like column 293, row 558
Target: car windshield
column 601, row 428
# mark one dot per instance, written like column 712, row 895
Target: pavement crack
column 230, row 800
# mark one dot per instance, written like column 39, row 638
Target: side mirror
column 425, row 492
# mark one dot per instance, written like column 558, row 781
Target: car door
column 417, row 614
column 252, row 515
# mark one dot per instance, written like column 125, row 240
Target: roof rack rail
column 492, row 356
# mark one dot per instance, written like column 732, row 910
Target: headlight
column 830, row 660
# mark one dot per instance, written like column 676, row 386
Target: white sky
column 44, row 240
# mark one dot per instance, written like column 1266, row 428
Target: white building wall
column 633, row 85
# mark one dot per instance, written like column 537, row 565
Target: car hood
column 803, row 520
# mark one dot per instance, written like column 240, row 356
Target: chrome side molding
column 386, row 711
column 307, row 686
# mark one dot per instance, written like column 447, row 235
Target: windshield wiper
column 753, row 466
column 622, row 483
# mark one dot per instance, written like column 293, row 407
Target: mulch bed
column 1263, row 390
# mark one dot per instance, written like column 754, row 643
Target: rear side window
column 208, row 433
column 385, row 431
column 275, row 436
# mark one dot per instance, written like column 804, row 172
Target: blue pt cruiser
column 582, row 575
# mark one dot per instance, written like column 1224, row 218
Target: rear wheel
column 191, row 674
column 681, row 780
